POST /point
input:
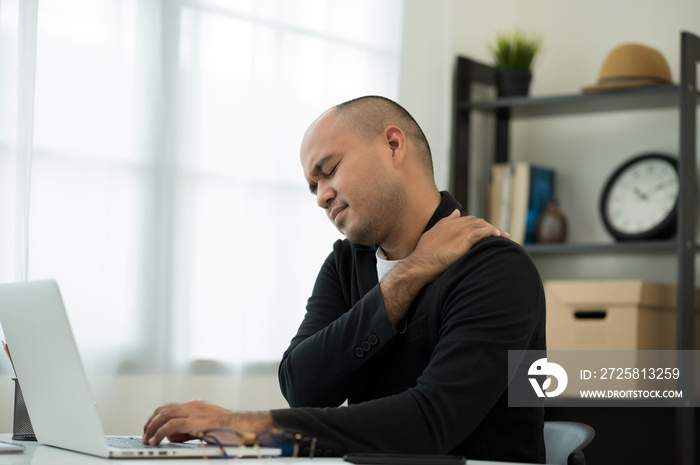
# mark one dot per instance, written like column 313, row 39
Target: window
column 167, row 196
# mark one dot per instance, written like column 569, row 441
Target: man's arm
column 325, row 362
column 321, row 367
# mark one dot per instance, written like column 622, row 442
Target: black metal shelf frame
column 651, row 247
column 684, row 97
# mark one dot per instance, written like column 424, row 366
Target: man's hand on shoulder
column 448, row 241
column 437, row 250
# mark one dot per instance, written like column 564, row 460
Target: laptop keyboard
column 124, row 442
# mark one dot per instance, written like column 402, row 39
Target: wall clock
column 640, row 198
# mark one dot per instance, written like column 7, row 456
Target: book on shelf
column 501, row 195
column 519, row 192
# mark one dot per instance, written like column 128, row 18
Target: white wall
column 426, row 81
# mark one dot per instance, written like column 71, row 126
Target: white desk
column 36, row 454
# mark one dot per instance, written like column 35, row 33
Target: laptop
column 55, row 386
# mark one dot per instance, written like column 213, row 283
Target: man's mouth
column 335, row 211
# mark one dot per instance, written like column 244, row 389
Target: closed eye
column 319, row 170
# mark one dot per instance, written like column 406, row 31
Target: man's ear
column 396, row 142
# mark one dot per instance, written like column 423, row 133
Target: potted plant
column 513, row 54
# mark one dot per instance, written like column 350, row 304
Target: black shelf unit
column 665, row 96
column 685, row 98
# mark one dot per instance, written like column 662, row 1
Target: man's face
column 353, row 180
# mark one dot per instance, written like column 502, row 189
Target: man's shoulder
column 498, row 243
column 496, row 253
column 495, row 269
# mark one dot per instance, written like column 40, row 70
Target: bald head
column 369, row 116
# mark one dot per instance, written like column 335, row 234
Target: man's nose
column 325, row 195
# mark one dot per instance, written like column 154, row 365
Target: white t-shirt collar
column 384, row 265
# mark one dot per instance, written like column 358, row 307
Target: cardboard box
column 621, row 316
column 613, row 315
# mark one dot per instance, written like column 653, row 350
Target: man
column 411, row 317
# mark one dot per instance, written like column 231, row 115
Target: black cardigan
column 438, row 383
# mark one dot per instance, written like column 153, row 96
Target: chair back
column 564, row 441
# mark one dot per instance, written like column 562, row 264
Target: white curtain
column 149, row 163
column 17, row 76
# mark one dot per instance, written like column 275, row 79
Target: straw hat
column 630, row 66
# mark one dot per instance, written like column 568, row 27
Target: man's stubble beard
column 384, row 210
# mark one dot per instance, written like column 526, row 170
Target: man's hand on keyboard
column 182, row 422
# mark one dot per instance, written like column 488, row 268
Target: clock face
column 641, row 198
